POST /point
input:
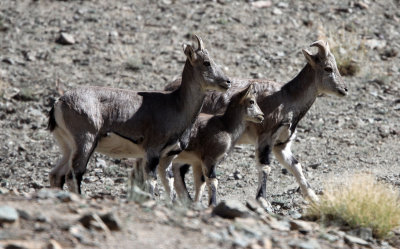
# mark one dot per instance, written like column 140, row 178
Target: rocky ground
column 47, row 47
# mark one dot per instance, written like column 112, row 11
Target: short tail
column 52, row 121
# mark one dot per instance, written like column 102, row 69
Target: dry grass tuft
column 360, row 201
column 347, row 48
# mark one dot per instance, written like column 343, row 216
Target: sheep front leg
column 165, row 172
column 284, row 155
column 151, row 172
column 263, row 154
column 179, row 172
column 211, row 181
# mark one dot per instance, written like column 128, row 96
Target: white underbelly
column 119, row 147
column 187, row 157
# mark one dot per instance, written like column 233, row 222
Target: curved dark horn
column 323, row 47
column 199, row 42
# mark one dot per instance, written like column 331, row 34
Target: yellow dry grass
column 360, row 201
column 347, row 48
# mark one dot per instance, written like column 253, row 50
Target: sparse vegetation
column 346, row 47
column 360, row 202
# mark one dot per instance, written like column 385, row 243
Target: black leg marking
column 211, row 172
column 212, row 175
column 184, row 169
column 152, row 166
column 264, row 155
column 62, row 182
column 213, row 199
column 262, row 192
column 174, row 152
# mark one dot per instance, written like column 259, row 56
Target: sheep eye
column 328, row 69
column 206, row 63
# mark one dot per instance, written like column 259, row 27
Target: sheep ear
column 309, row 57
column 246, row 92
column 190, row 53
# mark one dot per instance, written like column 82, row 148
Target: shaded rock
column 254, row 206
column 231, row 209
column 10, row 92
column 53, row 244
column 65, row 39
column 277, row 11
column 329, row 237
column 149, row 204
column 65, row 196
column 294, row 214
column 138, row 195
column 8, row 61
column 375, row 44
column 301, row 226
column 354, row 240
column 364, row 233
column 302, row 244
column 8, row 214
column 282, row 225
column 112, row 221
column 266, row 205
column 237, row 175
column 80, row 233
column 4, row 191
column 24, row 215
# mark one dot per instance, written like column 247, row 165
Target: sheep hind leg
column 179, row 172
column 57, row 174
column 79, row 160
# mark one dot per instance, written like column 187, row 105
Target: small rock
column 231, row 209
column 24, row 215
column 8, row 214
column 261, row 4
column 65, row 196
column 254, row 206
column 149, row 204
column 8, row 61
column 294, row 214
column 301, row 226
column 4, row 191
column 65, row 39
column 237, row 175
column 100, row 163
column 302, row 244
column 53, row 245
column 266, row 205
column 276, row 11
column 10, row 92
column 279, row 225
column 314, row 165
column 79, row 232
column 361, row 5
column 329, row 237
column 111, row 221
column 364, row 233
column 375, row 44
column 354, row 240
column 266, row 243
column 138, row 195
